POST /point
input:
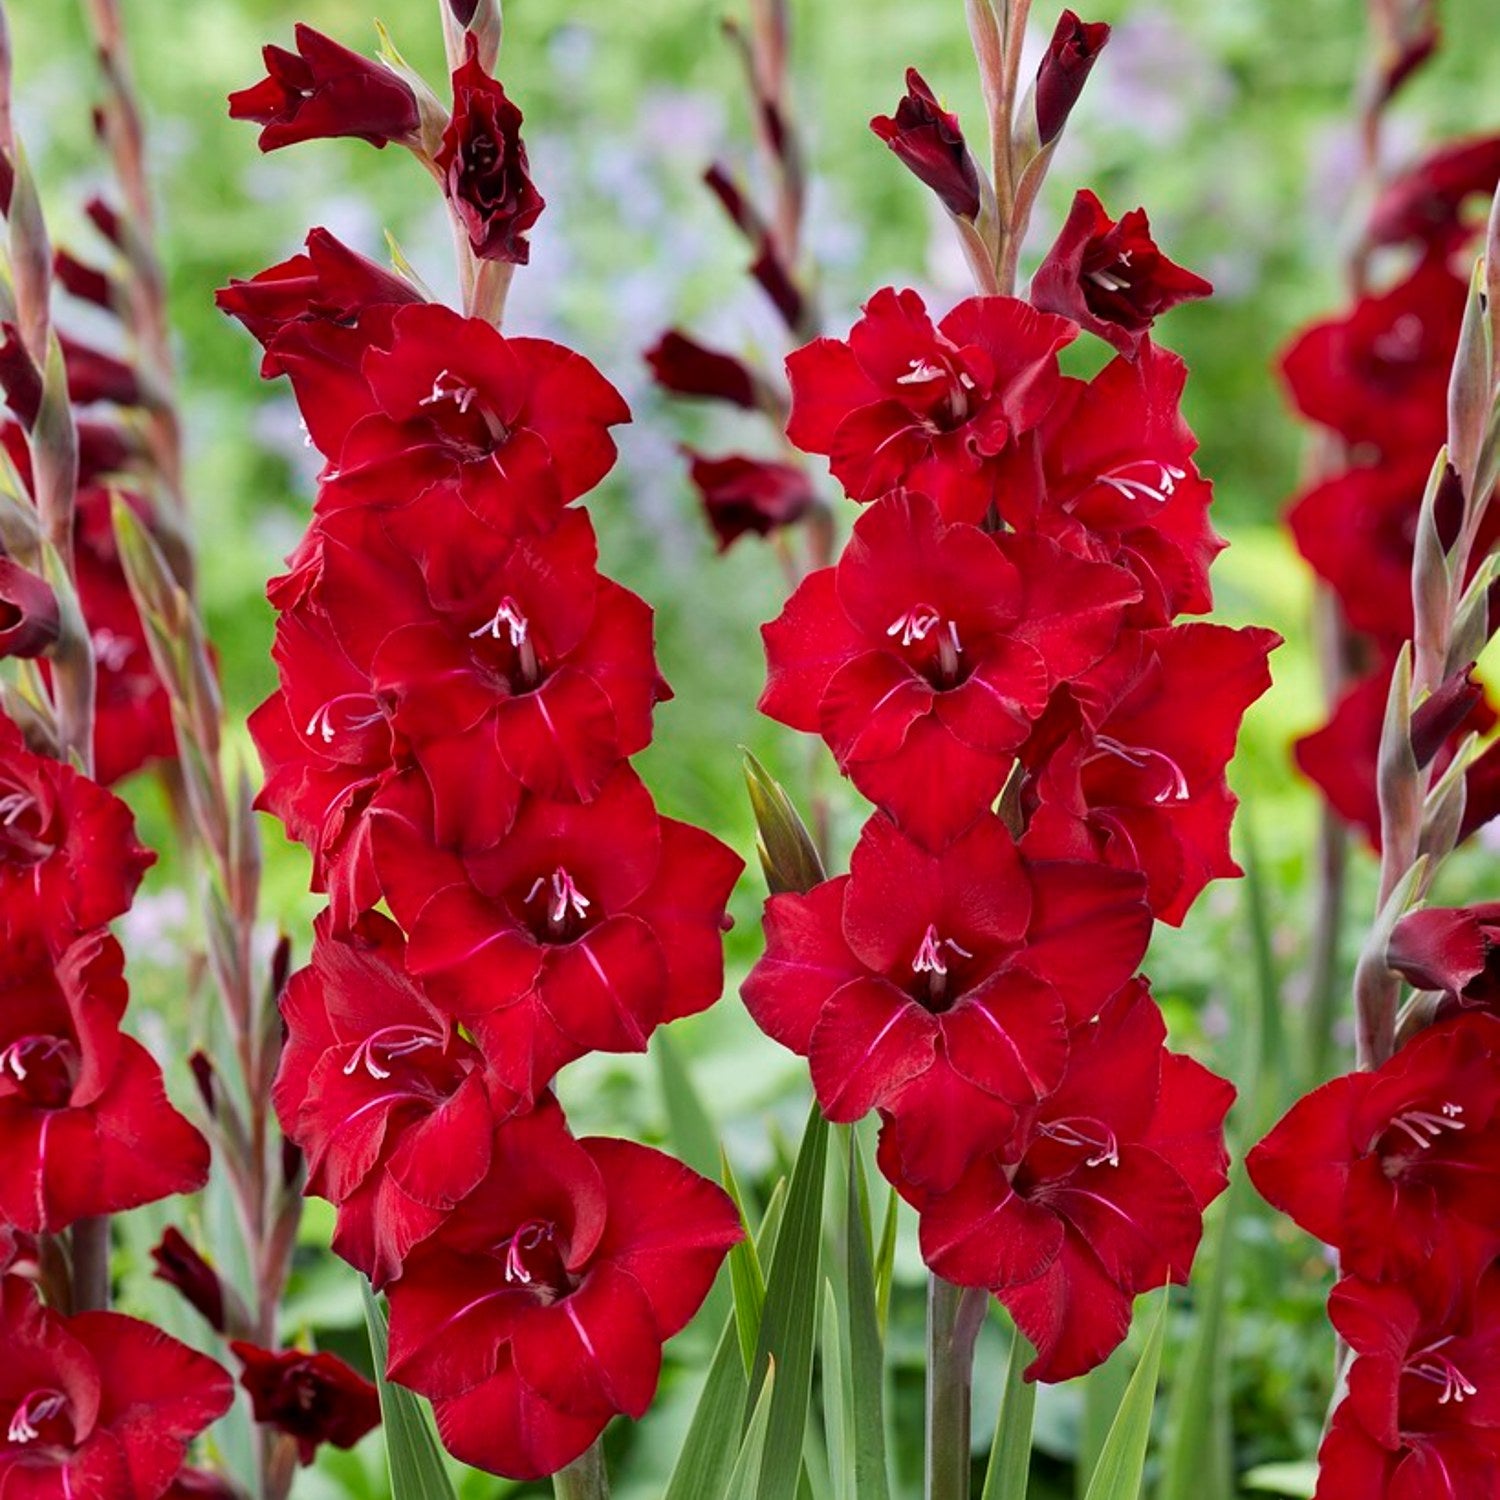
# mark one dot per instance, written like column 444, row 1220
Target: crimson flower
column 1109, row 277
column 1421, row 1420
column 314, row 1398
column 1065, row 67
column 687, row 368
column 901, row 402
column 94, row 376
column 323, row 90
column 925, row 655
column 1097, row 1196
column 541, row 1309
column 1452, row 950
column 98, row 1404
column 1425, row 204
column 1379, row 376
column 387, row 1100
column 1135, row 776
column 749, row 496
column 483, row 165
column 1110, row 473
column 1398, row 1169
column 940, row 988
column 29, row 617
column 930, row 142
column 84, row 1120
column 589, row 925
column 69, row 859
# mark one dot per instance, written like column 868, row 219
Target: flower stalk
column 955, row 1315
column 583, row 1479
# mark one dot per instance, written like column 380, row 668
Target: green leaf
column 746, row 1278
column 704, row 1464
column 834, row 1388
column 1103, row 1388
column 885, row 1260
column 1009, row 1474
column 789, row 1323
column 411, row 1445
column 744, row 1480
column 866, row 1354
column 1123, row 1461
column 1298, row 1480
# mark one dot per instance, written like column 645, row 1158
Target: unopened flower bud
column 30, row 620
column 1071, row 54
column 930, row 142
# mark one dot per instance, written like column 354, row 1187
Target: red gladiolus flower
column 390, row 1104
column 687, row 368
column 902, row 402
column 1425, row 205
column 1454, row 951
column 323, row 90
column 1379, row 377
column 1070, row 58
column 588, row 926
column 69, row 860
column 483, row 165
column 925, row 655
column 98, row 1404
column 749, row 496
column 94, row 376
column 1135, row 776
column 1398, row 1169
column 1109, row 473
column 29, row 618
column 314, row 1398
column 1421, row 1420
column 1109, row 277
column 930, row 142
column 940, row 988
column 1097, row 1196
column 541, row 1309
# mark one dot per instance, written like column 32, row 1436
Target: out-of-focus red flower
column 940, row 988
column 687, row 368
column 1452, row 950
column 98, row 1404
column 200, row 1484
column 69, row 860
column 1097, row 1196
column 749, row 496
column 930, row 142
column 1135, row 774
column 1109, row 473
column 387, row 1100
column 1426, row 203
column 314, row 1398
column 20, row 1264
column 1398, row 1169
column 85, row 1125
column 541, row 1309
column 483, row 164
column 95, row 376
column 1379, row 376
column 181, row 1266
column 323, row 90
column 901, row 402
column 1109, row 277
column 925, row 655
column 1065, row 67
column 29, row 618
column 588, row 926
column 1421, row 1420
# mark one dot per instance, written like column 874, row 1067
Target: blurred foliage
column 1229, row 119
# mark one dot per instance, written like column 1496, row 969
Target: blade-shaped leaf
column 746, row 1277
column 411, row 1445
column 885, row 1259
column 1299, row 1479
column 744, row 1480
column 1009, row 1474
column 835, row 1387
column 703, row 1467
column 866, row 1353
column 1123, row 1460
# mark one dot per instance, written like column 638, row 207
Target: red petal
column 871, row 1039
column 1009, row 1037
column 983, row 1233
column 1074, row 1315
column 805, row 645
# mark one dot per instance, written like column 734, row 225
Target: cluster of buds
column 994, row 661
column 461, row 691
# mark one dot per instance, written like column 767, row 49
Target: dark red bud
column 180, row 1266
column 86, row 282
column 105, row 220
column 929, row 141
column 463, row 10
column 1435, row 719
column 20, row 380
column 1071, row 54
column 29, row 618
column 205, row 1077
column 688, row 368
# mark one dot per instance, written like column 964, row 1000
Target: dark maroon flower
column 1426, row 203
column 930, row 142
column 1109, row 277
column 182, row 1267
column 1069, row 59
column 1098, row 1194
column 687, row 368
column 1398, row 1169
column 483, row 165
column 323, row 90
column 94, row 376
column 314, row 1398
column 29, row 619
column 749, row 496
column 69, row 859
column 84, row 1120
column 1443, row 712
column 541, row 1309
column 940, row 988
column 390, row 1103
column 901, row 402
column 924, row 657
column 586, row 927
column 87, row 283
column 1421, row 1418
column 200, row 1484
column 1454, row 951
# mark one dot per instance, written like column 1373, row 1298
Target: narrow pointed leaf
column 866, row 1354
column 745, row 1479
column 746, row 1279
column 1123, row 1460
column 1009, row 1473
column 707, row 1457
column 835, row 1386
column 885, row 1260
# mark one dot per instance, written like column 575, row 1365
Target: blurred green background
column 1230, row 120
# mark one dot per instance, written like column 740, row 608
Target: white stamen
column 322, row 726
column 1165, row 486
column 1438, row 1369
column 929, row 959
column 509, row 615
column 1142, row 756
column 37, row 1407
column 565, row 896
column 916, row 624
column 919, row 371
column 1415, row 1121
column 1107, row 1151
column 462, row 396
column 411, row 1039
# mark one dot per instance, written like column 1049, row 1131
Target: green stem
column 954, row 1317
column 1326, row 986
column 584, row 1479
